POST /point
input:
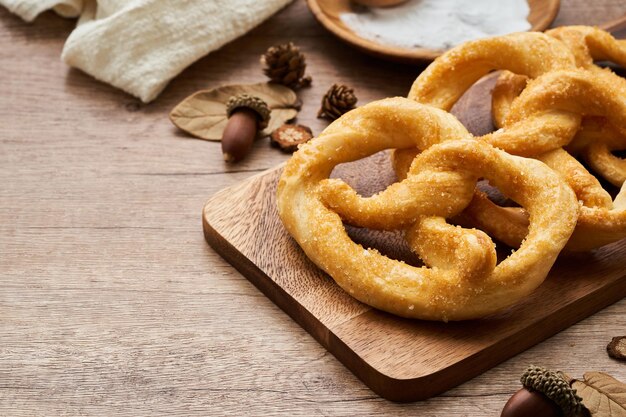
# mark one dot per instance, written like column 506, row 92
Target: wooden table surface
column 111, row 302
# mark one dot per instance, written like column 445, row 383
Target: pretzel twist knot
column 461, row 278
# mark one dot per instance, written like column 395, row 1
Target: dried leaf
column 203, row 114
column 603, row 395
column 278, row 118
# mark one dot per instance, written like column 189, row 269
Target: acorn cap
column 251, row 102
column 555, row 386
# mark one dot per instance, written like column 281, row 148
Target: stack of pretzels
column 551, row 105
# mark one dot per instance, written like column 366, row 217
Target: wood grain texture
column 402, row 360
column 328, row 13
column 112, row 303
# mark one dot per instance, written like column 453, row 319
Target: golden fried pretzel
column 589, row 44
column 596, row 140
column 453, row 73
column 461, row 279
column 540, row 131
column 530, row 54
column 546, row 99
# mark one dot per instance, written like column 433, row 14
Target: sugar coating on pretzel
column 595, row 143
column 461, row 279
column 586, row 44
column 446, row 79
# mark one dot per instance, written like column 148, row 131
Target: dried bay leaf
column 279, row 117
column 603, row 395
column 203, row 114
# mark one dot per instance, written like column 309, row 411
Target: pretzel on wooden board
column 438, row 164
column 461, row 279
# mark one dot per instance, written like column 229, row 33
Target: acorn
column 246, row 116
column 545, row 393
column 525, row 403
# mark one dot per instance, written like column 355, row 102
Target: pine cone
column 285, row 64
column 338, row 100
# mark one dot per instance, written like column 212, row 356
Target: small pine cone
column 555, row 386
column 285, row 64
column 338, row 100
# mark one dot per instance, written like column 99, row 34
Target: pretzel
column 461, row 279
column 553, row 101
column 596, row 140
column 545, row 102
column 593, row 93
column 530, row 54
column 446, row 79
column 540, row 132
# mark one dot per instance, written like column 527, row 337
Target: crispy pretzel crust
column 461, row 280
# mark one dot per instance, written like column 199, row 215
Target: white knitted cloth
column 140, row 45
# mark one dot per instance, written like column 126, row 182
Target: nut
column 617, row 348
column 239, row 134
column 289, row 136
column 259, row 106
column 526, row 403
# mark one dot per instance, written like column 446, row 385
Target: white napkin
column 140, row 45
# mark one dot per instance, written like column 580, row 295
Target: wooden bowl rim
column 413, row 55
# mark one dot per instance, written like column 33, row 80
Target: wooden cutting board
column 399, row 359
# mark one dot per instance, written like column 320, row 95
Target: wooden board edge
column 383, row 385
column 532, row 335
column 413, row 389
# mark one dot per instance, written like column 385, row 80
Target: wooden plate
column 327, row 12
